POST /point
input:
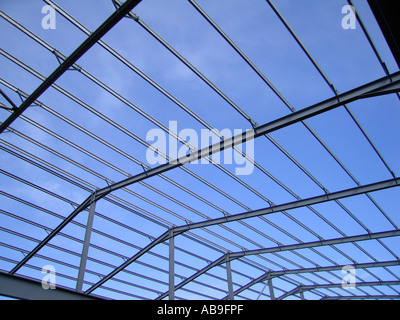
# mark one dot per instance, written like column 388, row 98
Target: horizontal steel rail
column 366, row 297
column 106, row 26
column 295, row 204
column 236, row 255
column 273, row 274
column 376, row 87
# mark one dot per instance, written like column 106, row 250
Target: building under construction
column 199, row 150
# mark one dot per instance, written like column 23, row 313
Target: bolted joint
column 133, row 16
column 171, row 233
column 130, row 15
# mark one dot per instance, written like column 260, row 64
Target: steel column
column 271, row 288
column 85, row 248
column 171, row 264
column 229, row 277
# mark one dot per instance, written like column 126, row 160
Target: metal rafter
column 40, row 41
column 336, row 285
column 273, row 274
column 33, row 36
column 67, row 63
column 378, row 87
column 237, row 255
column 387, row 85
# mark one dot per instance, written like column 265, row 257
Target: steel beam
column 289, row 293
column 85, row 247
column 375, row 297
column 151, row 245
column 106, row 26
column 373, row 88
column 200, row 272
column 368, row 236
column 28, row 289
column 295, row 204
column 329, row 104
column 329, row 83
column 359, row 284
column 270, row 287
column 239, row 51
column 189, row 65
column 236, row 255
column 337, row 285
column 273, row 274
column 381, row 89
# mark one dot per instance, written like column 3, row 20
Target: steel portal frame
column 387, row 85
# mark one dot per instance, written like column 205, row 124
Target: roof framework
column 78, row 194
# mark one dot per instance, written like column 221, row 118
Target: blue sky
column 346, row 58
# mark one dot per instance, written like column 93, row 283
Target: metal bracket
column 133, row 16
column 226, row 214
column 13, row 105
column 58, row 56
column 19, row 92
column 61, row 58
column 8, row 130
column 5, row 107
column 393, row 87
column 130, row 15
column 116, row 5
column 253, row 123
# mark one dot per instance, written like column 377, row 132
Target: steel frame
column 334, row 285
column 387, row 85
column 67, row 63
column 28, row 289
